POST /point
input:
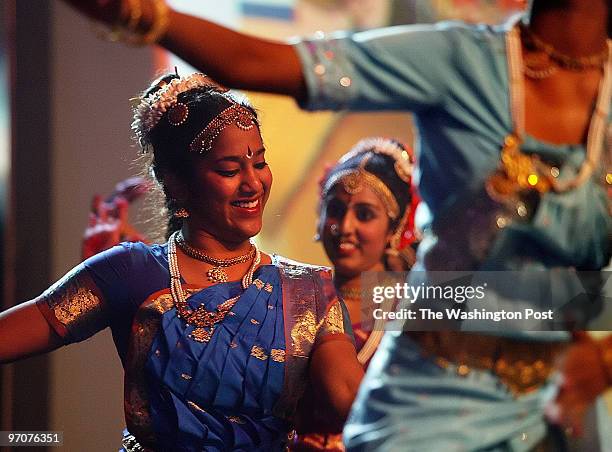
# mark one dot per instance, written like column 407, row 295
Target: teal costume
column 456, row 80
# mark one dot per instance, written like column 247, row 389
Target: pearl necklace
column 204, row 320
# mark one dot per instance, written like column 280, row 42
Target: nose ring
column 334, row 230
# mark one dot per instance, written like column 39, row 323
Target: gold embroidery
column 195, row 406
column 236, row 419
column 75, row 306
column 259, row 353
column 334, row 322
column 304, row 331
column 255, row 322
column 137, row 413
column 258, row 283
column 278, row 355
column 268, row 287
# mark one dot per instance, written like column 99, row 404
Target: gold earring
column 181, row 213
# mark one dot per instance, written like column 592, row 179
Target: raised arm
column 233, row 59
column 24, row 332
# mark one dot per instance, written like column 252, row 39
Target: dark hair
column 167, row 145
column 383, row 167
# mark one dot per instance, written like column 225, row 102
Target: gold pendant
column 519, row 173
column 217, row 274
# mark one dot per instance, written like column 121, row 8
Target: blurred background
column 64, row 135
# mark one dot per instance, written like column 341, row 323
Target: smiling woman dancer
column 365, row 222
column 512, row 157
column 217, row 339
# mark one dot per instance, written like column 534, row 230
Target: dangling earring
column 316, row 237
column 334, row 230
column 181, row 213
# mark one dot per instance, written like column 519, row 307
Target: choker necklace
column 204, row 320
column 215, row 274
column 533, row 41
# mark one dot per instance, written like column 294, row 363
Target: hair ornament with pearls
column 150, row 109
column 351, row 179
column 404, row 160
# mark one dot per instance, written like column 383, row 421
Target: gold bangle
column 135, row 14
column 130, row 15
column 161, row 20
column 126, row 29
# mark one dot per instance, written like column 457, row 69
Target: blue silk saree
column 240, row 390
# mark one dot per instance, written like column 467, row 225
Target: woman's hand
column 108, row 223
column 583, row 377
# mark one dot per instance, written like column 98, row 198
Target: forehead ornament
column 353, row 181
column 236, row 114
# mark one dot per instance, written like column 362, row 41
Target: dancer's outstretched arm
column 233, row 59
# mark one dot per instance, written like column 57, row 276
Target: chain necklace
column 204, row 320
column 216, row 273
column 533, row 41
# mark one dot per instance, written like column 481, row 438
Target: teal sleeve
column 395, row 68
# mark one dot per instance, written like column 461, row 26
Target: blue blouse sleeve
column 395, row 68
column 87, row 298
column 110, row 271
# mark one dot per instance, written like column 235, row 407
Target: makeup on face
column 231, row 185
column 355, row 230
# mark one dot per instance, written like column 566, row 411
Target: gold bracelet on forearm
column 161, row 20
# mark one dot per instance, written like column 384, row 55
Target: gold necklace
column 216, row 273
column 204, row 320
column 537, row 69
column 517, row 174
column 533, row 41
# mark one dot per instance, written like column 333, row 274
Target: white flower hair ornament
column 150, row 109
column 404, row 160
